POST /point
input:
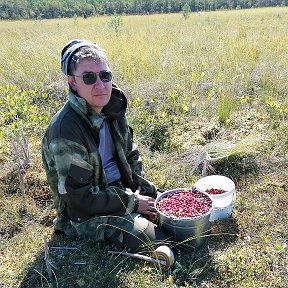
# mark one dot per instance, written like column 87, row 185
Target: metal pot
column 187, row 231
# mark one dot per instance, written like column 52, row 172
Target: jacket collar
column 115, row 109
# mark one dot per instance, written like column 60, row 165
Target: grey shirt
column 107, row 153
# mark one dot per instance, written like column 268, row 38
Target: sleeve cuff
column 136, row 204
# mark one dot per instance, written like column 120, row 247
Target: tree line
column 47, row 9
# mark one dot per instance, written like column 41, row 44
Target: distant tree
column 13, row 9
column 116, row 22
column 192, row 4
column 186, row 11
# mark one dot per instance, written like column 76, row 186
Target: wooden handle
column 163, row 256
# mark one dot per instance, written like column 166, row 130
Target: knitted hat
column 70, row 49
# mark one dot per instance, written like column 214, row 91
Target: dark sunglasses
column 90, row 78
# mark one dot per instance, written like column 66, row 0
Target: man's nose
column 99, row 82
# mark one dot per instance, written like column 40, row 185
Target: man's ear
column 72, row 83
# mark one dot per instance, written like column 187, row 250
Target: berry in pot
column 184, row 204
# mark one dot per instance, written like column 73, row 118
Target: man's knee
column 152, row 235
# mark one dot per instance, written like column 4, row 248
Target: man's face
column 98, row 94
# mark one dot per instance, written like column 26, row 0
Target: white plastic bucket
column 222, row 203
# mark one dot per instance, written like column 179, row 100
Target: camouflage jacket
column 73, row 164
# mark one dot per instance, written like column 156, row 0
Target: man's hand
column 146, row 205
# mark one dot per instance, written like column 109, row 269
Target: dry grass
column 215, row 82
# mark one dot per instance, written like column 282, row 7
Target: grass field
column 215, row 82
